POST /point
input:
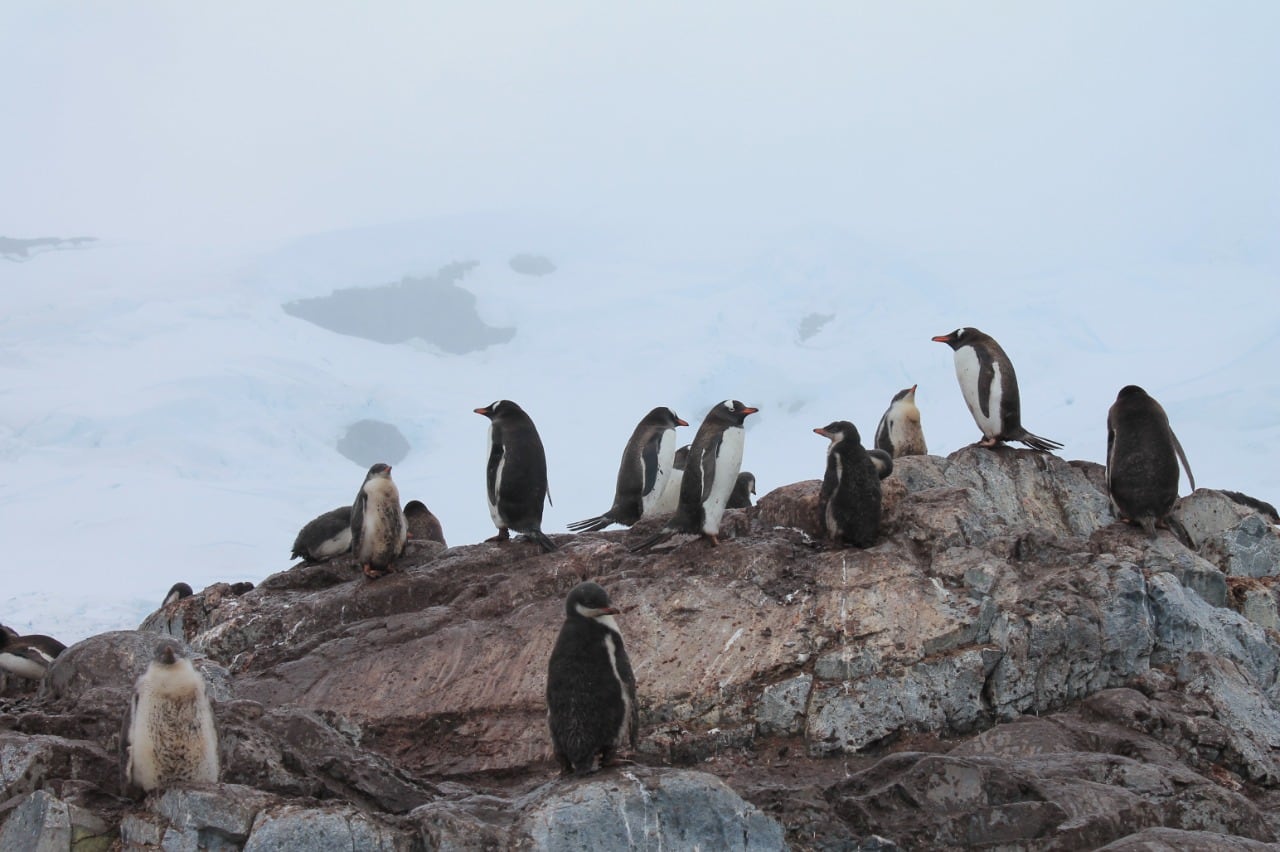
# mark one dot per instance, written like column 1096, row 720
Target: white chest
column 728, row 465
column 666, row 460
column 968, row 369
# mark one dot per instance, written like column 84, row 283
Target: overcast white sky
column 1039, row 130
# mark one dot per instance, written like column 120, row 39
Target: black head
column 663, row 416
column 378, row 471
column 168, row 652
column 906, row 392
column 177, row 593
column 416, row 507
column 749, row 480
column 500, row 409
column 839, row 430
column 7, row 633
column 731, row 411
column 588, row 600
column 960, row 337
column 1131, row 392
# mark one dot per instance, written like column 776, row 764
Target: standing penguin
column 378, row 527
column 669, row 499
column 324, row 537
column 740, row 498
column 516, row 475
column 647, row 463
column 850, row 496
column 423, row 524
column 1142, row 459
column 899, row 433
column 990, row 389
column 168, row 734
column 591, row 690
column 28, row 657
column 715, row 458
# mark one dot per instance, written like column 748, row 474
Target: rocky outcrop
column 1006, row 667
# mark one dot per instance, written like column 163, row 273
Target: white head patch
column 728, row 403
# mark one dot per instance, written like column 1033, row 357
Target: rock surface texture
column 1006, row 668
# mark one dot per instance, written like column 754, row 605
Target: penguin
column 850, row 496
column 177, row 593
column 740, row 497
column 647, row 463
column 715, row 458
column 27, row 657
column 990, row 389
column 423, row 524
column 1142, row 459
column 516, row 475
column 378, row 528
column 168, row 735
column 324, row 537
column 899, row 433
column 591, row 690
column 670, row 497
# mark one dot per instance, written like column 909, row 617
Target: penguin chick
column 423, row 524
column 324, row 537
column 516, row 474
column 740, row 497
column 850, row 496
column 990, row 389
column 168, row 734
column 176, row 593
column 899, row 433
column 378, row 528
column 715, row 459
column 1142, row 459
column 647, row 464
column 591, row 690
column 27, row 657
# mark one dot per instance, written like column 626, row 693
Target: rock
column 648, row 810
column 290, row 828
column 44, row 823
column 782, row 706
column 1233, row 535
column 1177, row 840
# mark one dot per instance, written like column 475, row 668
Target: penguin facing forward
column 591, row 690
column 27, row 657
column 740, row 497
column 990, row 389
column 711, row 472
column 647, row 464
column 1142, row 459
column 899, row 433
column 176, row 593
column 423, row 524
column 516, row 474
column 168, row 734
column 324, row 537
column 850, row 496
column 378, row 528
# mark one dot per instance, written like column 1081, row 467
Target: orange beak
column 680, row 422
column 749, row 410
column 941, row 338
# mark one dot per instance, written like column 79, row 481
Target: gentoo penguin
column 740, row 497
column 378, row 528
column 647, row 463
column 27, row 657
column 715, row 458
column 176, row 593
column 168, row 735
column 324, row 537
column 850, row 496
column 990, row 389
column 423, row 524
column 669, row 499
column 899, row 433
column 1142, row 459
column 516, row 476
column 591, row 691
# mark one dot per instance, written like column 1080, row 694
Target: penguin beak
column 680, row 422
column 484, row 411
column 942, row 338
column 610, row 610
column 749, row 410
column 823, row 432
column 913, row 389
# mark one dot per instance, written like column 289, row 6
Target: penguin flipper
column 882, row 460
column 595, row 524
column 1035, row 442
column 1177, row 445
column 655, row 539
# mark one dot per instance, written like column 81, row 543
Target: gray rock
column 781, row 709
column 222, row 811
column 1234, row 536
column 647, row 809
column 1259, row 606
column 1251, row 721
column 1162, row 839
column 110, row 663
column 44, row 823
column 29, row 762
column 291, row 828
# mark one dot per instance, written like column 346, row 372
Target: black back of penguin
column 591, row 705
column 1142, row 458
column 850, row 499
column 516, row 473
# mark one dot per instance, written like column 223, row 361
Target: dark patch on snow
column 433, row 308
column 812, row 324
column 24, row 250
column 368, row 442
column 532, row 264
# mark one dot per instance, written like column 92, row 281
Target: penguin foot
column 374, row 573
column 990, row 442
column 504, row 534
column 713, row 538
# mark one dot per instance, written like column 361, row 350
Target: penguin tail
column 545, row 543
column 1035, row 442
column 595, row 524
column 1148, row 523
column 655, row 539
